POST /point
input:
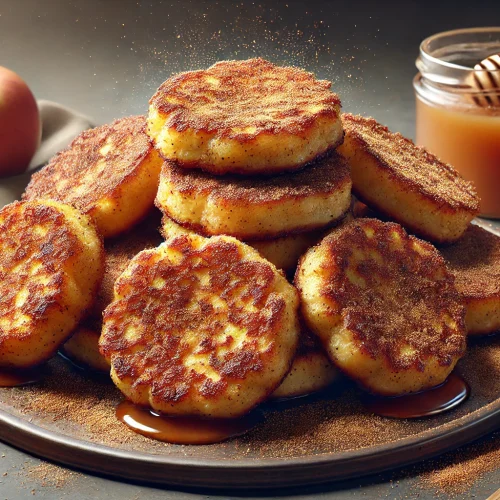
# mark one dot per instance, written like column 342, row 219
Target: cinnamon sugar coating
column 384, row 305
column 411, row 164
column 246, row 117
column 51, row 264
column 257, row 207
column 243, row 99
column 406, row 183
column 200, row 326
column 109, row 172
column 474, row 260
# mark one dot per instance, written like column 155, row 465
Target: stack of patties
column 248, row 151
column 249, row 165
column 111, row 173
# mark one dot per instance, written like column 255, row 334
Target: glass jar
column 456, row 120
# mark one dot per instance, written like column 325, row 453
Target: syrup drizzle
column 184, row 430
column 444, row 397
column 16, row 377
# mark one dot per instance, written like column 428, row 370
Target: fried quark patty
column 474, row 260
column 200, row 326
column 83, row 347
column 384, row 306
column 311, row 370
column 51, row 265
column 109, row 172
column 244, row 117
column 283, row 252
column 257, row 208
column 405, row 182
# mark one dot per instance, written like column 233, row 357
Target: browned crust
column 20, row 245
column 236, row 103
column 411, row 165
column 130, row 147
column 405, row 310
column 474, row 260
column 323, row 177
column 155, row 359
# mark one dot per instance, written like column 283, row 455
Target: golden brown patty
column 109, row 172
column 83, row 347
column 474, row 260
column 283, row 252
column 51, row 264
column 405, row 182
column 256, row 208
column 200, row 326
column 311, row 370
column 384, row 305
column 248, row 117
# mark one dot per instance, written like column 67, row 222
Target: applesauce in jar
column 455, row 119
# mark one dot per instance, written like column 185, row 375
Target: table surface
column 106, row 58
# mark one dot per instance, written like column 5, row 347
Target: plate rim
column 247, row 473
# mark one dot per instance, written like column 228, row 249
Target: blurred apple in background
column 19, row 124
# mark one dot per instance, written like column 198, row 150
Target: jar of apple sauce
column 458, row 107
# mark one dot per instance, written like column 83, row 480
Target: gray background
column 106, row 58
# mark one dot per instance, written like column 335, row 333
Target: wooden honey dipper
column 486, row 77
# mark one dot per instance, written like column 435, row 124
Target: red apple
column 19, row 124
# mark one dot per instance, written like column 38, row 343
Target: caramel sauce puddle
column 444, row 397
column 184, row 430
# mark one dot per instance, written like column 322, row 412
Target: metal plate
column 309, row 453
column 28, row 427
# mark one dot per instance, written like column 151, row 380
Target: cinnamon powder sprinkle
column 50, row 475
column 412, row 165
column 326, row 175
column 459, row 470
column 248, row 98
column 87, row 172
column 475, row 261
column 67, row 397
